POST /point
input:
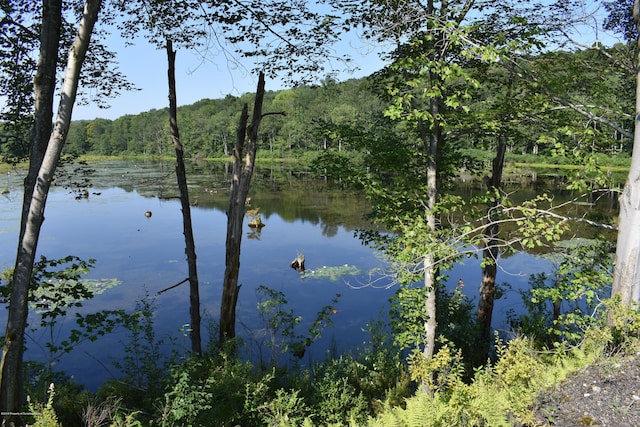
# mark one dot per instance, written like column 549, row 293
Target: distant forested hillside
column 207, row 128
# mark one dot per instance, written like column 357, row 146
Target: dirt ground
column 605, row 394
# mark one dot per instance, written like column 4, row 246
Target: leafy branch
column 281, row 323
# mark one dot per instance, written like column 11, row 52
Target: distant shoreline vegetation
column 514, row 163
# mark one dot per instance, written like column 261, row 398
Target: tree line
column 208, row 126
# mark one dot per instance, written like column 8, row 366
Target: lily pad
column 331, row 273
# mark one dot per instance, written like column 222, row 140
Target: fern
column 420, row 411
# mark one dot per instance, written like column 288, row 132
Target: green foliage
column 622, row 333
column 282, row 324
column 517, row 371
column 69, row 395
column 220, row 388
column 57, row 287
column 536, row 228
column 144, row 364
column 335, row 165
column 481, row 99
column 21, row 25
column 285, row 409
column 335, row 399
column 440, row 373
column 499, row 395
column 407, row 317
column 381, row 371
column 562, row 307
column 371, row 387
column 45, row 415
column 353, row 386
column 364, row 380
column 224, row 390
column 456, row 323
column 17, row 65
column 207, row 127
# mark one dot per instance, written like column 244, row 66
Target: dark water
column 146, row 255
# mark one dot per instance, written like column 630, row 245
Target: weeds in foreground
column 372, row 386
column 45, row 414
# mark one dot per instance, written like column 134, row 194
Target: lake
column 146, row 254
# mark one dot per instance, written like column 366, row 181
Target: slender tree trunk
column 490, row 257
column 557, row 305
column 11, row 365
column 430, row 280
column 44, row 86
column 626, row 272
column 235, row 215
column 181, row 175
column 44, row 89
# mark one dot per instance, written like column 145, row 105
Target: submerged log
column 298, row 263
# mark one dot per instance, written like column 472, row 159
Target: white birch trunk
column 626, row 271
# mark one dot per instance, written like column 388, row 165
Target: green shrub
column 286, row 408
column 335, row 400
column 221, row 390
column 455, row 320
column 623, row 327
column 70, row 397
column 45, row 414
column 144, row 366
column 562, row 306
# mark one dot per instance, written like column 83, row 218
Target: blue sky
column 146, row 67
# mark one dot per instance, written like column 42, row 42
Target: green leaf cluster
column 57, row 286
column 563, row 306
column 282, row 324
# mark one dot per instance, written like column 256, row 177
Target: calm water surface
column 147, row 255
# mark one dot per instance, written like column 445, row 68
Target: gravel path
column 606, row 394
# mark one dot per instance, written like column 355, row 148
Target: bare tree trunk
column 235, row 215
column 11, row 365
column 181, row 175
column 490, row 257
column 626, row 272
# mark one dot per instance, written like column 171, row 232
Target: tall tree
column 617, row 68
column 626, row 273
column 181, row 175
column 19, row 38
column 490, row 253
column 46, row 153
column 162, row 23
column 431, row 90
column 421, row 82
